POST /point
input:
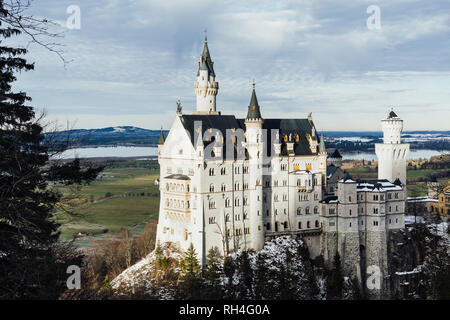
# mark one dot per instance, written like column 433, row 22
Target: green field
column 120, row 197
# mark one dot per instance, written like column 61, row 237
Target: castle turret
column 392, row 153
column 253, row 124
column 206, row 86
column 160, row 141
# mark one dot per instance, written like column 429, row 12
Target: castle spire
column 322, row 148
column 161, row 137
column 254, row 109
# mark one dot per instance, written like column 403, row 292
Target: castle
column 234, row 183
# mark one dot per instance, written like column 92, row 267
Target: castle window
column 299, row 211
column 375, row 197
column 284, row 211
column 350, row 224
column 382, row 197
column 211, row 188
column 285, row 225
column 267, row 183
column 350, row 212
column 268, row 226
column 317, row 224
column 227, row 218
column 307, row 224
column 375, row 223
column 307, row 210
column 211, row 171
column 316, row 196
column 375, row 210
column 396, row 208
column 267, row 212
column 299, row 182
column 222, row 171
column 275, row 183
column 396, row 220
column 275, row 197
column 284, row 197
column 390, row 208
column 236, row 202
column 331, row 211
column 223, row 187
column 212, row 220
column 299, row 225
column 245, row 201
column 227, row 202
column 316, row 210
column 246, row 230
column 349, row 199
column 396, row 195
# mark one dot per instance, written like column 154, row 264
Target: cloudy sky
column 131, row 61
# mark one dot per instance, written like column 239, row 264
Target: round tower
column 206, row 86
column 392, row 153
column 253, row 131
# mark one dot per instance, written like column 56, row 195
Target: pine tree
column 30, row 264
column 212, row 275
column 263, row 290
column 191, row 281
column 229, row 269
column 335, row 280
column 245, row 274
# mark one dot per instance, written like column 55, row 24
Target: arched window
column 222, row 171
column 316, row 210
column 317, row 223
column 307, row 225
column 211, row 188
column 307, row 210
column 227, row 202
column 299, row 211
column 211, row 171
column 285, row 224
column 223, row 187
column 299, row 225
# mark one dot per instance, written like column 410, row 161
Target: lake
column 123, row 151
column 120, row 151
column 413, row 154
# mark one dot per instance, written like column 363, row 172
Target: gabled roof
column 336, row 154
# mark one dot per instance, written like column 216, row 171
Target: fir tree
column 191, row 281
column 245, row 274
column 335, row 280
column 212, row 275
column 263, row 290
column 229, row 269
column 30, row 264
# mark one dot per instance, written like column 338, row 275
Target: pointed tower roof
column 392, row 114
column 205, row 60
column 161, row 137
column 336, row 154
column 322, row 148
column 199, row 142
column 253, row 109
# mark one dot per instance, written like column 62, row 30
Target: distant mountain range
column 129, row 135
column 121, row 135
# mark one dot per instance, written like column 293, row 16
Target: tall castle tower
column 206, row 86
column 392, row 153
column 255, row 143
